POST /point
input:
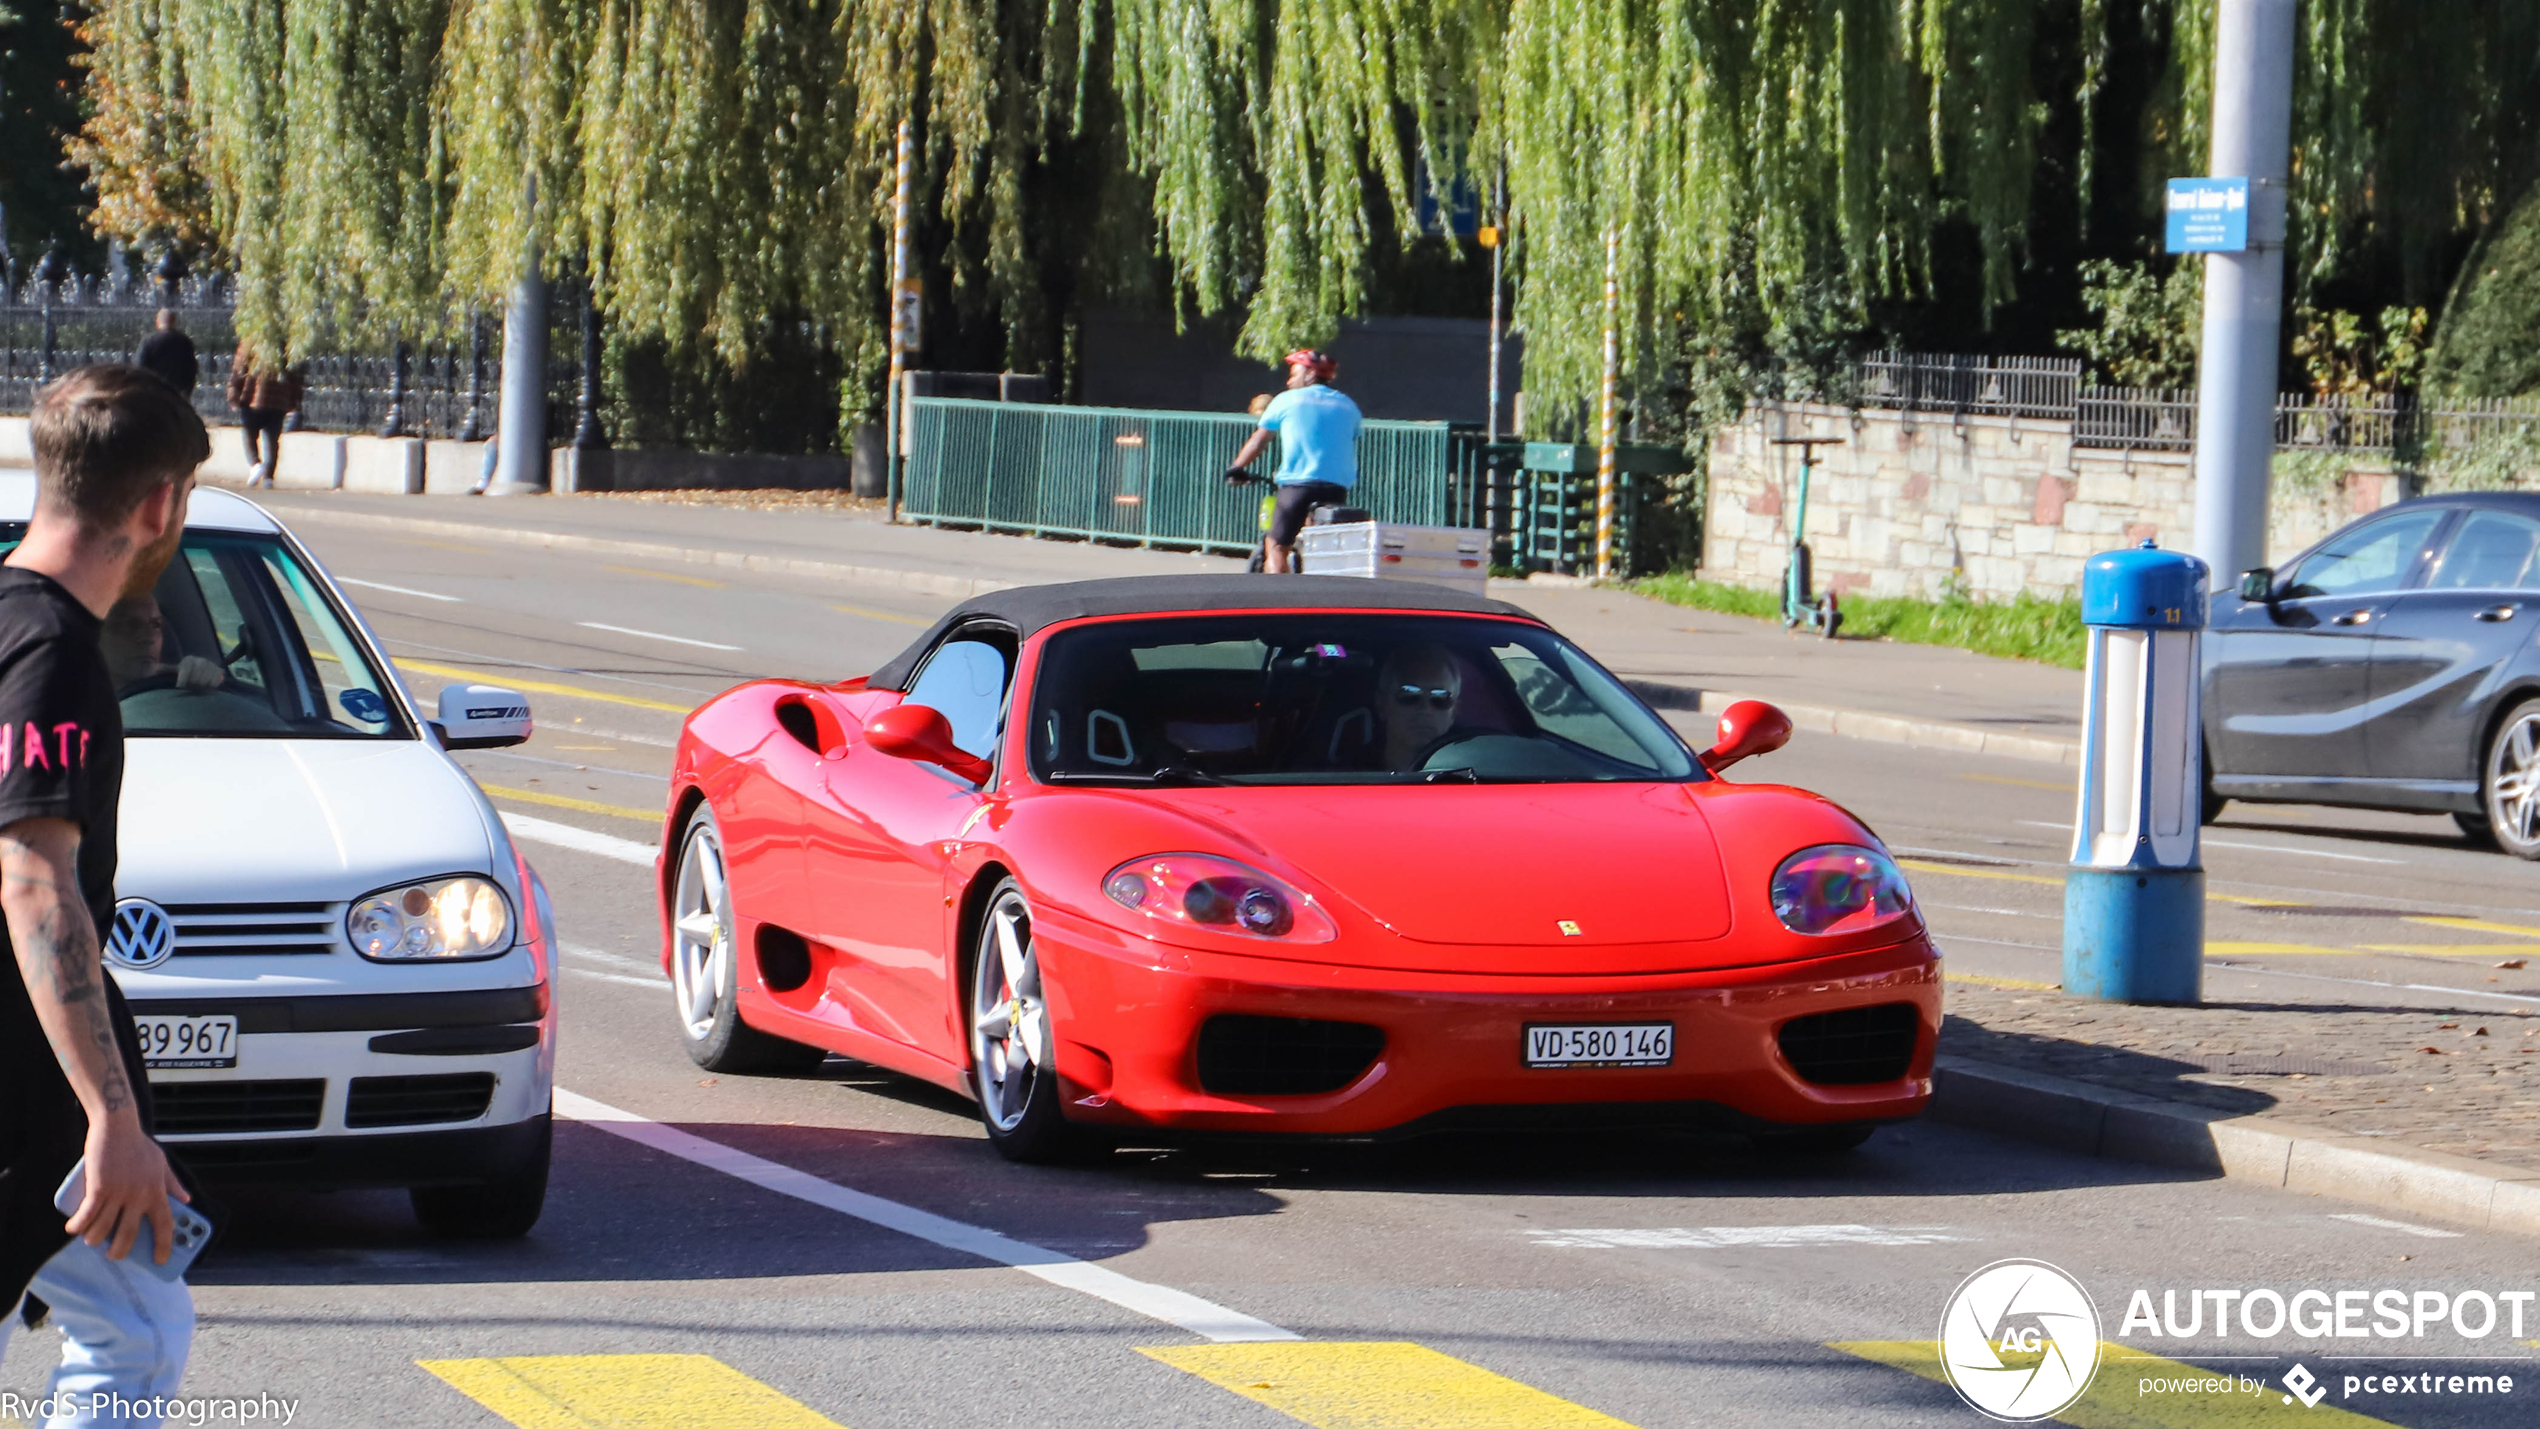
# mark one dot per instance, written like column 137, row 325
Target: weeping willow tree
column 721, row 167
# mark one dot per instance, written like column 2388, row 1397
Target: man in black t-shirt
column 115, row 452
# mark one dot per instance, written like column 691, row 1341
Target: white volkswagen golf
column 339, row 961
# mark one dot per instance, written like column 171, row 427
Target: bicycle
column 1321, row 513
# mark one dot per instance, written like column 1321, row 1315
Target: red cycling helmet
column 1322, row 364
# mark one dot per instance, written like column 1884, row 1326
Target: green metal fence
column 1149, row 478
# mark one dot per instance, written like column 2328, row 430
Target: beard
column 143, row 576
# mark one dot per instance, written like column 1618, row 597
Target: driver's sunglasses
column 1411, row 695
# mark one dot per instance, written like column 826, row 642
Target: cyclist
column 1317, row 428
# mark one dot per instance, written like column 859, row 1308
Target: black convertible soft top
column 1033, row 608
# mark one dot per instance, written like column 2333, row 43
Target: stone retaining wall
column 1920, row 504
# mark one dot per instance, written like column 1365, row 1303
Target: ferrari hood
column 1503, row 865
column 287, row 820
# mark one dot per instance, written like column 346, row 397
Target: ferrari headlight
column 1205, row 891
column 1839, row 888
column 440, row 918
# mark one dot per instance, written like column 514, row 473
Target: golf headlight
column 439, row 918
column 1205, row 891
column 1839, row 888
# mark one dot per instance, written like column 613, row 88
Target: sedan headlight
column 1839, row 888
column 439, row 918
column 1203, row 890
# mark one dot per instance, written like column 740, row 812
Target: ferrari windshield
column 1314, row 698
column 238, row 641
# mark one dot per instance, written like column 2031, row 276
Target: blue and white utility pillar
column 2134, row 904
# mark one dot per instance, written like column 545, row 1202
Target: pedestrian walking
column 168, row 351
column 265, row 396
column 115, row 453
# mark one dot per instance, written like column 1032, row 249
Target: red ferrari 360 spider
column 1310, row 855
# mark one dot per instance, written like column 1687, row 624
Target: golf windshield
column 239, row 641
column 1313, row 698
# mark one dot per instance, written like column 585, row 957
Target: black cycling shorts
column 1297, row 500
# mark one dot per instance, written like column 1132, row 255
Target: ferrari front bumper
column 1129, row 1018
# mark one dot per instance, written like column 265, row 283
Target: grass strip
column 2025, row 627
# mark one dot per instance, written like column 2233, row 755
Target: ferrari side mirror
column 1747, row 728
column 2258, row 585
column 906, row 731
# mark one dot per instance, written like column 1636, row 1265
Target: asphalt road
column 725, row 1252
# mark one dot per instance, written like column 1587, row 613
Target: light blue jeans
column 125, row 1336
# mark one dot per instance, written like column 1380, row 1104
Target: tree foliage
column 1765, row 166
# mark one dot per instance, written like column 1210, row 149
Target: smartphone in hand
column 192, row 1230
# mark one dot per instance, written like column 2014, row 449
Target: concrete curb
column 930, row 582
column 2095, row 1121
column 1855, row 724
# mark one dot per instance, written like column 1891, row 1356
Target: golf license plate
column 1600, row 1044
column 188, row 1041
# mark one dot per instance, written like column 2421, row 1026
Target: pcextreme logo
column 2019, row 1340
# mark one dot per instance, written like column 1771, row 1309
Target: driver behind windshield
column 134, row 642
column 1416, row 696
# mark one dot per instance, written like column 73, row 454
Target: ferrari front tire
column 705, row 966
column 1012, row 1042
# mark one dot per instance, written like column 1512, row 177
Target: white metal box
column 1444, row 555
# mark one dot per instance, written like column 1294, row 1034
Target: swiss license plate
column 188, row 1041
column 1600, row 1044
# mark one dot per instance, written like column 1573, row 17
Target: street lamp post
column 587, row 435
column 2244, row 290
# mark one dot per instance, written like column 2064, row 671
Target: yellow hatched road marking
column 567, row 801
column 625, row 1392
column 2473, row 925
column 2115, row 1399
column 537, row 687
column 2450, row 950
column 1925, row 866
column 1378, row 1386
column 665, row 576
column 2251, row 950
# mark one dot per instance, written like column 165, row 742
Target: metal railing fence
column 1150, row 478
column 1969, row 383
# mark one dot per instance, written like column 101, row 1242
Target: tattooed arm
column 56, row 942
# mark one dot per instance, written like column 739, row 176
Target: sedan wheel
column 1012, row 1045
column 2511, row 789
column 704, row 972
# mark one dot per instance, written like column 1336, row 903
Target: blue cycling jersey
column 1317, row 429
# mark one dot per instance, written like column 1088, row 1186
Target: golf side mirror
column 1747, row 728
column 473, row 716
column 906, row 731
column 2258, row 585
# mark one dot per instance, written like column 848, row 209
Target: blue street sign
column 2208, row 216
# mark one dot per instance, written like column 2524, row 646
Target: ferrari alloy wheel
column 704, row 966
column 2511, row 786
column 1012, row 1045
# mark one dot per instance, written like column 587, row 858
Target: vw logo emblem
column 143, row 936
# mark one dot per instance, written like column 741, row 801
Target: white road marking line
column 2429, row 1232
column 1972, row 908
column 569, row 764
column 2305, row 852
column 615, row 736
column 651, row 983
column 580, row 840
column 1203, row 1318
column 1744, row 1237
column 2046, row 824
column 655, row 635
column 584, row 953
column 399, row 590
column 2368, row 982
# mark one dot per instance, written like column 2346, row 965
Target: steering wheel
column 164, row 680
